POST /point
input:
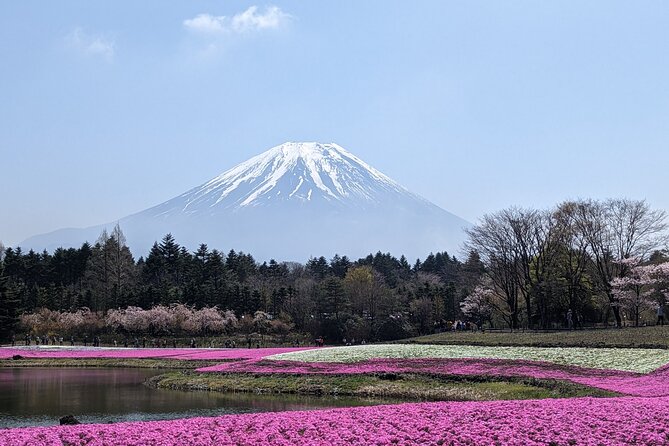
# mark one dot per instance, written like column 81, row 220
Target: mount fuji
column 296, row 200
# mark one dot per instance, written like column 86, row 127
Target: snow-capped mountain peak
column 294, row 172
column 295, row 200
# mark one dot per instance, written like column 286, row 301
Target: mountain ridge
column 324, row 199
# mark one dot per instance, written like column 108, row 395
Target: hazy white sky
column 107, row 108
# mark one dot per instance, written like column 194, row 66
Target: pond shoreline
column 40, row 396
column 402, row 386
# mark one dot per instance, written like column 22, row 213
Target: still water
column 40, row 396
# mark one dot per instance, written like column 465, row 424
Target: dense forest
column 578, row 264
column 377, row 297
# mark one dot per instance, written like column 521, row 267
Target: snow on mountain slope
column 296, row 200
column 298, row 173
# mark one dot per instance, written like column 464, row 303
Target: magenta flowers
column 640, row 418
column 577, row 421
column 655, row 383
column 205, row 354
column 628, row 383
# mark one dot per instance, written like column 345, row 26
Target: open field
column 629, row 337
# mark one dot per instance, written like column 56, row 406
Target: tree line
column 378, row 297
column 580, row 262
column 596, row 262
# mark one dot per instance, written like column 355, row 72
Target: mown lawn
column 630, row 337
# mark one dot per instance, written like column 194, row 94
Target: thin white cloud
column 250, row 20
column 91, row 45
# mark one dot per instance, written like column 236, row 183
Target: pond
column 40, row 396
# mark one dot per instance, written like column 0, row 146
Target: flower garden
column 640, row 415
column 629, row 359
column 188, row 354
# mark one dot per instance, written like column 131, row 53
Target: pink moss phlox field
column 241, row 360
column 204, row 354
column 628, row 383
column 559, row 422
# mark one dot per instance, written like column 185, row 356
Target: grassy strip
column 404, row 386
column 641, row 337
column 144, row 363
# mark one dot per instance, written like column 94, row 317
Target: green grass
column 641, row 337
column 632, row 360
column 401, row 386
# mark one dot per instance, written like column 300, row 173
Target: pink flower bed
column 251, row 361
column 652, row 384
column 577, row 421
column 206, row 354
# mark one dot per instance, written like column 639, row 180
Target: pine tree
column 171, row 253
column 318, row 267
column 217, row 280
column 334, row 300
column 9, row 308
column 340, row 266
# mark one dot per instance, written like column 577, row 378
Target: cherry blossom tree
column 478, row 304
column 636, row 291
column 71, row 322
column 162, row 320
column 616, row 230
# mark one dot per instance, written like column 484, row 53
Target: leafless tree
column 493, row 238
column 619, row 229
column 537, row 249
column 122, row 263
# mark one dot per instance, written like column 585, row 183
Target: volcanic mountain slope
column 291, row 202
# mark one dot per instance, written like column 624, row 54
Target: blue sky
column 107, row 108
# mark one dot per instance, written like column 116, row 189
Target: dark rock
column 17, row 357
column 389, row 376
column 69, row 420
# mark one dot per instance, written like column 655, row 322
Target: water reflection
column 40, row 396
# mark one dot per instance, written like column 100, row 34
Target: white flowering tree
column 641, row 288
column 478, row 304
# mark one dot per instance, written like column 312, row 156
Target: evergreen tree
column 153, row 269
column 217, row 280
column 318, row 267
column 170, row 251
column 333, row 301
column 340, row 265
column 9, row 308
